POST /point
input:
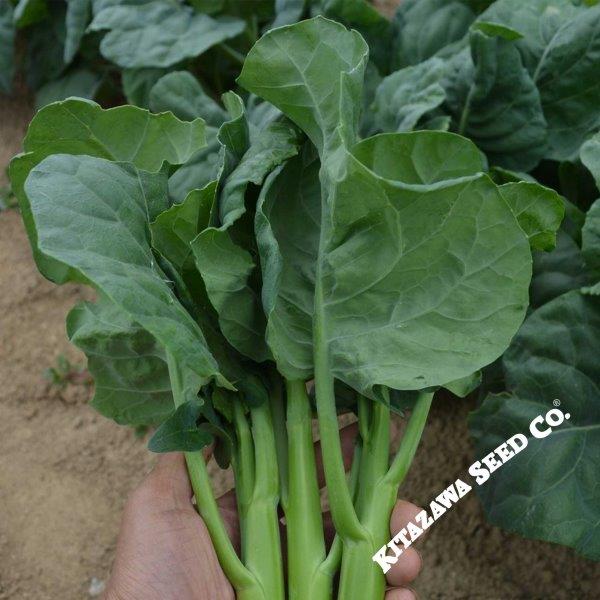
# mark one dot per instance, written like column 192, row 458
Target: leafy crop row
column 385, row 210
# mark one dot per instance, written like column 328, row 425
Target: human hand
column 165, row 552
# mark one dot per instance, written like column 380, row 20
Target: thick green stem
column 263, row 546
column 278, row 410
column 331, row 564
column 374, row 463
column 305, row 536
column 340, row 500
column 364, row 417
column 375, row 455
column 410, row 440
column 239, row 576
column 243, row 468
column 361, row 577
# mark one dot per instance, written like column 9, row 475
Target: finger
column 404, row 512
column 407, row 568
column 347, row 440
column 409, row 562
column 168, row 487
column 170, row 472
column 168, row 484
column 400, row 594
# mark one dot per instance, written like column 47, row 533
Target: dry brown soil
column 65, row 472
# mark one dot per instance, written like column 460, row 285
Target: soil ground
column 65, row 472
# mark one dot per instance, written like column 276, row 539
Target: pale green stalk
column 331, row 564
column 278, row 414
column 360, row 577
column 263, row 547
column 241, row 578
column 305, row 536
column 375, row 454
column 342, row 508
column 243, row 468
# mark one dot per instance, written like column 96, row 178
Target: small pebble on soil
column 97, row 586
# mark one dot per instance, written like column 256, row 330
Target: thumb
column 168, row 483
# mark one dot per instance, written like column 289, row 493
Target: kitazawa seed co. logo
column 480, row 471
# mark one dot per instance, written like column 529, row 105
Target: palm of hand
column 165, row 552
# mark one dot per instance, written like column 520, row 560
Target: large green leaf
column 236, row 164
column 79, row 14
column 233, row 136
column 7, row 47
column 278, row 142
column 45, row 47
column 224, row 260
column 226, row 146
column 124, row 133
column 131, row 377
column 138, row 84
column 80, row 202
column 567, row 77
column 405, row 96
column 199, row 170
column 370, row 22
column 557, row 272
column 419, row 256
column 433, row 262
column 159, row 34
column 550, row 490
column 495, row 102
column 539, row 210
column 288, row 217
column 228, row 273
column 175, row 228
column 420, row 158
column 81, row 83
column 424, row 27
column 181, row 93
column 538, row 21
column 561, row 49
column 172, row 233
column 320, row 69
column 259, row 113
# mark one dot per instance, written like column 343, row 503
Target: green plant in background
column 376, row 210
column 7, row 198
column 549, row 494
column 113, row 49
column 65, row 373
